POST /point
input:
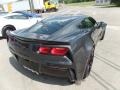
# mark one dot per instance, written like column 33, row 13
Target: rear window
column 49, row 26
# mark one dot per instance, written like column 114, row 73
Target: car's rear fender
column 81, row 56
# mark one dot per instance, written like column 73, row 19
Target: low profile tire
column 103, row 36
column 43, row 11
column 71, row 76
column 5, row 29
column 89, row 65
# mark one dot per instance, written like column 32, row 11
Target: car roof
column 28, row 14
column 3, row 13
column 67, row 16
column 10, row 14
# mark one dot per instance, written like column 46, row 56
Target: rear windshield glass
column 49, row 26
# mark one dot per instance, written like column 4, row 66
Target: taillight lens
column 44, row 50
column 59, row 51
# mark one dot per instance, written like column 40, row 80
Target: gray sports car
column 59, row 46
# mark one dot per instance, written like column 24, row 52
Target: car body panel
column 80, row 42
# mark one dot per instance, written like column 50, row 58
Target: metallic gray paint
column 80, row 43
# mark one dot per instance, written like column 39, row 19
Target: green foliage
column 116, row 2
column 75, row 1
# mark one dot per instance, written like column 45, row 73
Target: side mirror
column 98, row 25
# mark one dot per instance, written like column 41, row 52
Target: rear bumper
column 43, row 69
column 54, row 66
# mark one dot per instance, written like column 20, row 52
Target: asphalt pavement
column 105, row 74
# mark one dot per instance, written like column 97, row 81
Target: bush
column 75, row 1
column 116, row 2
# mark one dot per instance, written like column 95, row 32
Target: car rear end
column 45, row 48
column 41, row 56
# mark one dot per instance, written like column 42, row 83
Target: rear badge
column 31, row 70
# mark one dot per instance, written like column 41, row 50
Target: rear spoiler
column 44, row 42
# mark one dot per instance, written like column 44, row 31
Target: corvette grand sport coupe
column 60, row 46
column 17, row 20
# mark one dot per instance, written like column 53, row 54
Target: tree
column 117, row 2
column 75, row 1
column 1, row 6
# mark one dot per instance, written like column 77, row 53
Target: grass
column 82, row 4
column 92, row 3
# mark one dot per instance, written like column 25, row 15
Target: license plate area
column 32, row 66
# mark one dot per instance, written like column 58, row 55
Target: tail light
column 61, row 51
column 44, row 50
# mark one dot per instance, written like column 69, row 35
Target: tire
column 5, row 29
column 43, row 11
column 71, row 76
column 53, row 9
column 89, row 65
column 103, row 36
